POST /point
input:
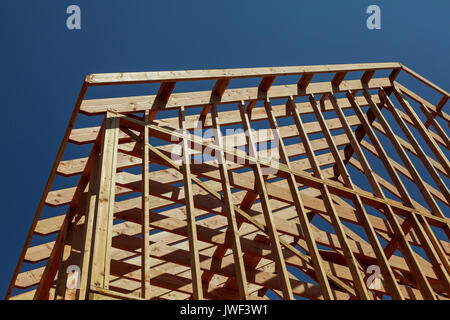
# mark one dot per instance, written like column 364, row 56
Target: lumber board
column 214, row 74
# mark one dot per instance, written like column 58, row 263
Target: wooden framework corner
column 304, row 189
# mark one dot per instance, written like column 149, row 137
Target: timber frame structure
column 356, row 181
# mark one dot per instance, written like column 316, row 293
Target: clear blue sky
column 43, row 63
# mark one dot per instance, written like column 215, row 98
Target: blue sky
column 43, row 63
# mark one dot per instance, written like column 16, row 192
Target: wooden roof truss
column 329, row 198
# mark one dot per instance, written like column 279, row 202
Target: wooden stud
column 190, row 216
column 88, row 235
column 105, row 207
column 145, row 220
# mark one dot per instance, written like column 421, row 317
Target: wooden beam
column 431, row 107
column 338, row 78
column 145, row 216
column 425, row 81
column 217, row 92
column 105, row 207
column 394, row 74
column 202, row 98
column 266, row 83
column 441, row 103
column 189, row 75
column 368, row 75
column 165, row 90
column 304, row 81
column 88, row 227
column 162, row 97
column 190, row 216
column 263, row 87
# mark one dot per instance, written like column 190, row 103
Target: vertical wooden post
column 65, row 257
column 89, row 223
column 190, row 214
column 145, row 222
column 105, row 204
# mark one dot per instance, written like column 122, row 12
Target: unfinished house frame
column 331, row 185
